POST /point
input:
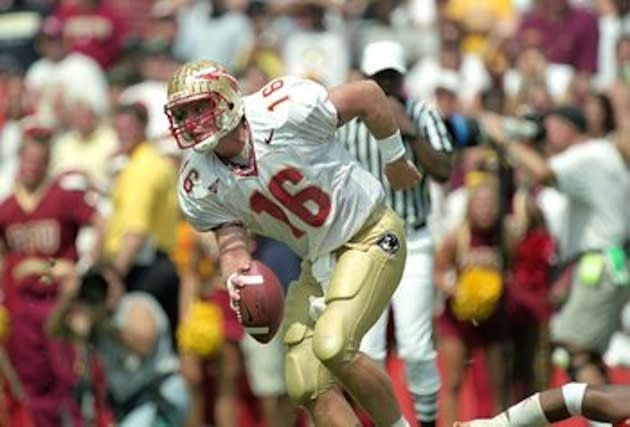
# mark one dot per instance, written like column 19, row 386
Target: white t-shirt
column 302, row 187
column 597, row 182
column 76, row 77
column 555, row 208
column 152, row 94
column 318, row 55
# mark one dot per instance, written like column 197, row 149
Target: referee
column 429, row 146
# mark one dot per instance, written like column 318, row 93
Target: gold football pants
column 366, row 274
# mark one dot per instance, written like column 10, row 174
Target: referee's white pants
column 413, row 308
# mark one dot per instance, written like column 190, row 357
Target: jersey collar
column 251, row 169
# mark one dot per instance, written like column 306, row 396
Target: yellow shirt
column 144, row 201
column 188, row 254
column 478, row 18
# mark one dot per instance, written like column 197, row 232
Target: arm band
column 392, row 147
column 573, row 394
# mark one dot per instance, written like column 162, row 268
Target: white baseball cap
column 448, row 80
column 383, row 55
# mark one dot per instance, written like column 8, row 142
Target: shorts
column 489, row 331
column 591, row 314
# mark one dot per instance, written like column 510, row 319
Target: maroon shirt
column 572, row 40
column 98, row 33
column 47, row 231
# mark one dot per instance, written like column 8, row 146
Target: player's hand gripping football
column 402, row 174
column 234, row 284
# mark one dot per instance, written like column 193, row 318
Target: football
column 262, row 302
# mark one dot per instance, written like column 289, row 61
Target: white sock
column 526, row 413
column 401, row 423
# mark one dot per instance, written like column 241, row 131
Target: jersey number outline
column 294, row 203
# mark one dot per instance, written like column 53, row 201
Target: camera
column 529, row 127
column 93, row 287
column 469, row 132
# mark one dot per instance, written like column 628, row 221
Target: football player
column 269, row 162
column 605, row 403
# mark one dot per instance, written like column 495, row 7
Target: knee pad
column 423, row 376
column 330, row 343
column 306, row 378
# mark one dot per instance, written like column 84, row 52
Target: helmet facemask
column 204, row 105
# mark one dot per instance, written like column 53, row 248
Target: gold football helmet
column 204, row 104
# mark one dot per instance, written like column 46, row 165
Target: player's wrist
column 391, row 148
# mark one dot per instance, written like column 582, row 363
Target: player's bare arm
column 234, row 258
column 367, row 100
column 606, row 403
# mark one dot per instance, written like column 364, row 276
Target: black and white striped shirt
column 411, row 205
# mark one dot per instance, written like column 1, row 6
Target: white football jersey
column 301, row 186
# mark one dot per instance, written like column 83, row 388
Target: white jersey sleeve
column 299, row 106
column 312, row 113
column 200, row 208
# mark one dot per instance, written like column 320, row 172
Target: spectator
column 61, row 73
column 468, row 264
column 618, row 91
column 597, row 225
column 87, row 145
column 156, row 65
column 314, row 49
column 613, row 17
column 531, row 68
column 528, row 300
column 93, row 28
column 14, row 106
column 20, row 20
column 566, row 34
column 39, row 223
column 130, row 333
column 599, row 115
column 427, row 74
column 212, row 372
column 212, row 30
column 486, row 26
column 141, row 230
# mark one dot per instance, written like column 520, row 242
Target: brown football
column 262, row 302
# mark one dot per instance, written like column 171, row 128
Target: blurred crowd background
column 87, row 79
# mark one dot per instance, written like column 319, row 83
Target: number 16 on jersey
column 314, row 213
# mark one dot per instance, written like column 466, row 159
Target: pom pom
column 476, row 294
column 201, row 331
column 4, row 324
